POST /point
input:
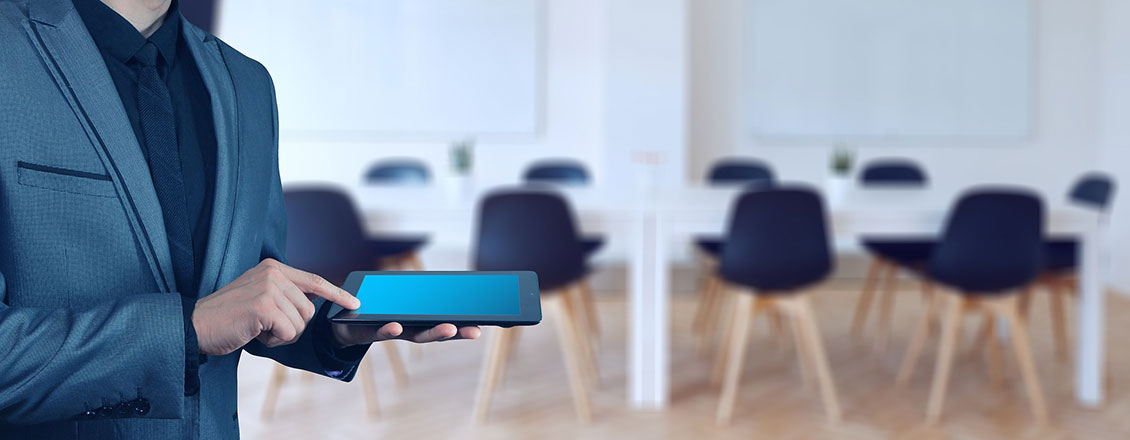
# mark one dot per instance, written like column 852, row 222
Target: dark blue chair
column 777, row 241
column 565, row 172
column 398, row 172
column 740, row 171
column 992, row 243
column 889, row 252
column 530, row 230
column 776, row 244
column 558, row 172
column 991, row 250
column 1094, row 190
column 725, row 172
column 534, row 230
column 325, row 237
column 400, row 251
column 897, row 173
column 730, row 172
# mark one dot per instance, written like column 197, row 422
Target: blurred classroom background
column 777, row 218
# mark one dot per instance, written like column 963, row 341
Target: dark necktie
column 158, row 126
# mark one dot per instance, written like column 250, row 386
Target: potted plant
column 839, row 180
column 461, row 156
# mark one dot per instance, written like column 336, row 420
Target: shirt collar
column 114, row 35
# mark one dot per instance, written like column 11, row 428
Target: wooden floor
column 533, row 399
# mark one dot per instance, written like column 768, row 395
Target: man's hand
column 270, row 302
column 364, row 334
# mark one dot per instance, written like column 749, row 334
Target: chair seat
column 903, row 251
column 590, row 244
column 1061, row 255
column 393, row 245
column 711, row 245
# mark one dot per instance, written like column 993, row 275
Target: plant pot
column 836, row 189
column 459, row 186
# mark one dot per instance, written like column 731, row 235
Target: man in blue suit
column 142, row 229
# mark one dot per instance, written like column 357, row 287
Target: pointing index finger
column 318, row 286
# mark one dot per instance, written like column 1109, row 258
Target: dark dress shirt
column 118, row 41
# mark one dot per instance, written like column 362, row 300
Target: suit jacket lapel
column 210, row 61
column 80, row 72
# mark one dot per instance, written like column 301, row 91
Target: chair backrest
column 558, row 172
column 324, row 235
column 529, row 230
column 777, row 240
column 892, row 172
column 1093, row 189
column 738, row 171
column 993, row 241
column 398, row 172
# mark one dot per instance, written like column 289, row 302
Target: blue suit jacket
column 89, row 310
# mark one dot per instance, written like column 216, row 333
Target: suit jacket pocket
column 65, row 180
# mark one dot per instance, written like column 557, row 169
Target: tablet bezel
column 529, row 306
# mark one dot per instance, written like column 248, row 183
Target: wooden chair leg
column 723, row 318
column 981, row 339
column 571, row 348
column 864, row 304
column 1024, row 301
column 805, row 363
column 950, row 328
column 707, row 312
column 706, row 304
column 493, row 364
column 512, row 341
column 590, row 310
column 993, row 359
column 278, row 378
column 778, row 332
column 396, row 363
column 1010, row 312
column 886, row 305
column 738, row 340
column 730, row 317
column 579, row 316
column 914, row 351
column 814, row 341
column 1059, row 326
column 369, row 389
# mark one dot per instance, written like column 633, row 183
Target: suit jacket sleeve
column 58, row 364
column 314, row 351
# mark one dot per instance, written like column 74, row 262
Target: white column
column 648, row 316
column 1090, row 359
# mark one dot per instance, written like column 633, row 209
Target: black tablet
column 431, row 298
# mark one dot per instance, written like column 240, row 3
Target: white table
column 657, row 222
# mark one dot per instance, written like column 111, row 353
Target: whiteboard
column 888, row 68
column 400, row 67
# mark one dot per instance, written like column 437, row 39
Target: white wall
column 1114, row 135
column 1062, row 145
column 575, row 70
column 646, row 92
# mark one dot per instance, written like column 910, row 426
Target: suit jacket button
column 89, row 414
column 123, row 410
column 141, row 406
column 106, row 412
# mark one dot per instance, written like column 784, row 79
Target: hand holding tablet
column 425, row 301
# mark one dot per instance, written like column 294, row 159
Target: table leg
column 1091, row 307
column 648, row 310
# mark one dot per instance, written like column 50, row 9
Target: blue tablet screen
column 472, row 294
